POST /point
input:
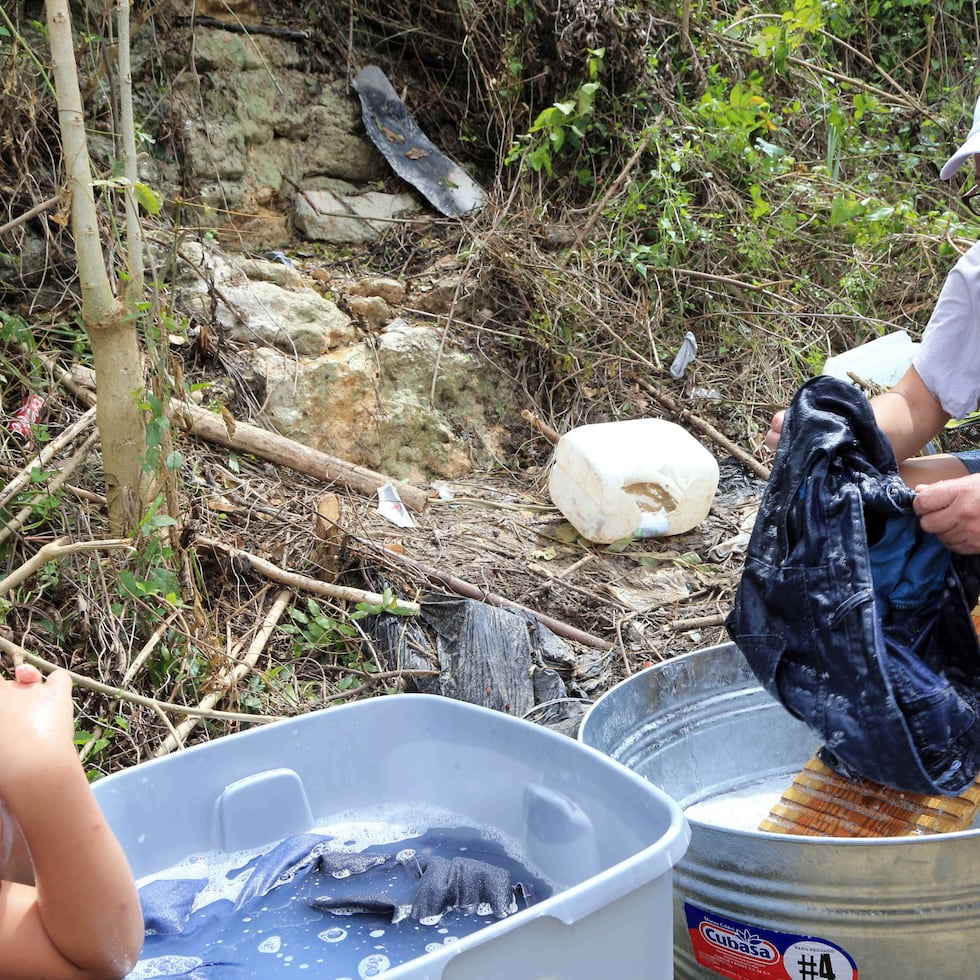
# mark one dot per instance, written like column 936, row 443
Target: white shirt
column 948, row 361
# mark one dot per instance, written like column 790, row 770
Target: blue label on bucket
column 747, row 952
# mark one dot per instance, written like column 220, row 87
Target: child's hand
column 81, row 916
column 775, row 430
column 36, row 727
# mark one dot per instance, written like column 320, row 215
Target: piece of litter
column 390, row 506
column 27, row 415
column 444, row 490
column 687, row 353
column 282, row 258
column 444, row 184
column 709, row 394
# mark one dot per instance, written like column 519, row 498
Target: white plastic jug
column 639, row 478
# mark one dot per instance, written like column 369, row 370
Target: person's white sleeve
column 948, row 360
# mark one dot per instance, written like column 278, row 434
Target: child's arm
column 82, row 917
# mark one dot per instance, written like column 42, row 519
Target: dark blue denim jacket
column 851, row 615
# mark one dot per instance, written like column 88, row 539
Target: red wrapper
column 26, row 416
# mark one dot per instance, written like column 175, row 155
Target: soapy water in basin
column 281, row 935
column 742, row 808
column 745, row 807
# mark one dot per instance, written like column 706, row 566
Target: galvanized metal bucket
column 749, row 904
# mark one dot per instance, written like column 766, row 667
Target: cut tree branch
column 228, row 680
column 278, row 449
column 25, row 656
column 304, row 583
column 470, row 591
column 686, row 415
column 247, row 438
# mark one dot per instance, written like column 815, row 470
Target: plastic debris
column 498, row 658
column 686, row 354
column 882, row 361
column 27, row 415
column 443, row 489
column 390, row 506
column 282, row 259
column 443, row 183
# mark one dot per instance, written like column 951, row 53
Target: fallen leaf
column 229, row 421
column 222, row 505
column 565, row 533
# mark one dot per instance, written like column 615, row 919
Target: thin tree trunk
column 133, row 287
column 115, row 346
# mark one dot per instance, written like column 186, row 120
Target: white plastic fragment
column 390, row 507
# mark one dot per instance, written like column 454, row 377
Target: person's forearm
column 895, row 419
column 85, row 891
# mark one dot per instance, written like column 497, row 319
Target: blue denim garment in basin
column 850, row 614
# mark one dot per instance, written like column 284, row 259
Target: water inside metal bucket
column 753, row 904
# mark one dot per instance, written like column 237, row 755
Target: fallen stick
column 304, row 583
column 470, row 591
column 90, row 684
column 134, row 668
column 46, row 455
column 698, row 622
column 675, row 407
column 247, row 438
column 540, row 426
column 229, row 678
column 58, row 549
column 53, row 486
column 239, row 28
column 613, row 189
column 32, row 213
column 151, row 644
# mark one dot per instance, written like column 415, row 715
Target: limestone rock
column 373, row 310
column 373, row 408
column 333, row 216
column 260, row 311
column 390, row 290
column 254, row 116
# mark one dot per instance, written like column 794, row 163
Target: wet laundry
column 308, row 902
column 852, row 616
column 402, row 884
column 431, row 891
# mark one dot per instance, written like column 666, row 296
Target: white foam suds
column 373, row 966
column 164, row 966
column 740, row 809
column 351, row 831
column 288, row 932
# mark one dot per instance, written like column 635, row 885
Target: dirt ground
column 497, row 538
